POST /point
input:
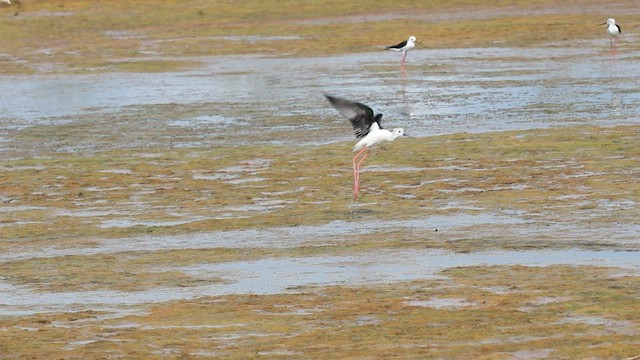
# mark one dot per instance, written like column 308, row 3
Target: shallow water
column 274, row 275
column 269, row 276
column 444, row 91
column 619, row 235
column 278, row 237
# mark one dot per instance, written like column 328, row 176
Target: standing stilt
column 613, row 30
column 404, row 47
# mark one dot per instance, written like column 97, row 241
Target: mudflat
column 174, row 185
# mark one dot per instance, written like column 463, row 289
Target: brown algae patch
column 593, row 314
column 134, row 272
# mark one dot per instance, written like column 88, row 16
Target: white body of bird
column 612, row 29
column 405, row 45
column 377, row 135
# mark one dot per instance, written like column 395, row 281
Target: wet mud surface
column 207, row 212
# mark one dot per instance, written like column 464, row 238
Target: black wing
column 619, row 29
column 399, row 46
column 360, row 115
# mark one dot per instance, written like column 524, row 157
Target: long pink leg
column 612, row 51
column 355, row 178
column 404, row 56
column 360, row 165
column 356, row 171
column 361, row 161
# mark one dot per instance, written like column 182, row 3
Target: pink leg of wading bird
column 356, row 170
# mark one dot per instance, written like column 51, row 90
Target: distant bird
column 613, row 30
column 404, row 46
column 367, row 129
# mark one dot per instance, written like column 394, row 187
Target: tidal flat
column 181, row 188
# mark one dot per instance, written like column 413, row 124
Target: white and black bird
column 404, row 46
column 613, row 30
column 368, row 131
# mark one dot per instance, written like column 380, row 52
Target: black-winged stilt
column 613, row 30
column 367, row 129
column 404, row 46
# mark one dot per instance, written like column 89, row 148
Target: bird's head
column 397, row 132
column 414, row 40
column 610, row 21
